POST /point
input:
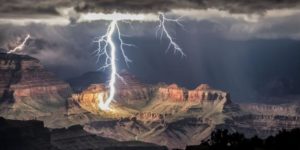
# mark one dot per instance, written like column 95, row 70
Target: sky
column 250, row 48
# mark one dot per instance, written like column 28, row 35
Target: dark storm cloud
column 66, row 50
column 37, row 7
column 30, row 7
column 234, row 6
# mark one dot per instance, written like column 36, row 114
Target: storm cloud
column 68, row 11
column 50, row 6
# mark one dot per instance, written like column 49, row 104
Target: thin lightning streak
column 107, row 49
column 21, row 46
column 162, row 27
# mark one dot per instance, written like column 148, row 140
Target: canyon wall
column 263, row 119
column 200, row 94
column 27, row 90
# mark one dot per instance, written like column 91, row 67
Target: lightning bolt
column 163, row 31
column 107, row 49
column 21, row 46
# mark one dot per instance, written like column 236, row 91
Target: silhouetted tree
column 223, row 140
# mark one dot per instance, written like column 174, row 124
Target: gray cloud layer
column 50, row 6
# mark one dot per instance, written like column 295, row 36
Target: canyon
column 164, row 114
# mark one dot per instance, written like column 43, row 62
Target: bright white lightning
column 21, row 46
column 163, row 31
column 107, row 48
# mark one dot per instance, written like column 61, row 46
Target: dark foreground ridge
column 223, row 140
column 32, row 135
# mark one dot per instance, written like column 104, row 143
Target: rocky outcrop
column 30, row 135
column 204, row 92
column 172, row 93
column 168, row 119
column 27, row 89
column 175, row 134
column 89, row 98
column 131, row 92
column 75, row 138
column 150, row 116
column 262, row 119
column 264, row 109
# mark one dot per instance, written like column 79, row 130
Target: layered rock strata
column 202, row 93
column 28, row 88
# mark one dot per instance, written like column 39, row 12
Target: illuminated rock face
column 24, row 76
column 172, row 93
column 133, row 92
column 136, row 95
column 89, row 98
column 25, row 83
column 203, row 92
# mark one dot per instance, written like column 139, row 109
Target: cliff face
column 89, row 98
column 202, row 93
column 175, row 134
column 264, row 109
column 27, row 90
column 29, row 135
column 129, row 93
column 262, row 119
column 172, row 93
column 160, row 120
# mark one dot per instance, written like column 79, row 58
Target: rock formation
column 27, row 90
column 262, row 119
column 89, row 98
column 132, row 92
column 30, row 135
column 143, row 112
column 202, row 93
column 159, row 121
column 162, row 114
column 205, row 92
column 175, row 134
column 172, row 93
